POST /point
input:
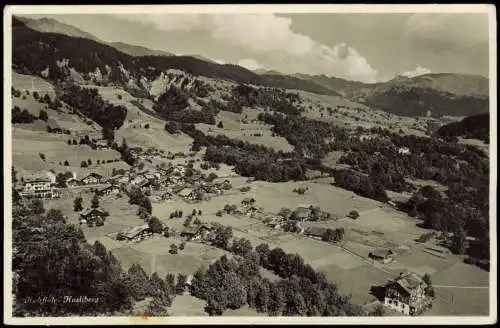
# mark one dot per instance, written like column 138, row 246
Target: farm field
column 254, row 133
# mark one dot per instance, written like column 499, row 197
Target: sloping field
column 26, row 146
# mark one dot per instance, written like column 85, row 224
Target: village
column 169, row 182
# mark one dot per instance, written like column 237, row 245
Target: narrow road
column 463, row 287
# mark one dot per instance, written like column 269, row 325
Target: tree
column 42, row 156
column 155, row 225
column 180, row 287
column 220, row 125
column 241, row 247
column 199, row 212
column 37, row 206
column 146, row 204
column 222, row 236
column 187, row 222
column 66, row 163
column 43, row 115
column 458, row 240
column 263, row 251
column 89, row 162
column 156, row 308
column 170, row 282
column 173, row 249
column 78, row 204
column 182, row 245
column 95, row 201
column 429, row 289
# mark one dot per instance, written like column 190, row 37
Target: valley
column 201, row 170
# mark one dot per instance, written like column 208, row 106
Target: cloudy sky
column 363, row 47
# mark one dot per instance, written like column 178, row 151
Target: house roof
column 186, row 192
column 315, row 231
column 409, row 281
column 301, row 212
column 37, row 178
column 144, row 183
column 189, row 231
column 132, row 232
column 382, row 252
column 93, row 174
column 109, row 187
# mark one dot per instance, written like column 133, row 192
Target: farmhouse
column 93, row 216
column 195, row 233
column 191, row 233
column 137, row 233
column 137, row 180
column 146, row 185
column 72, row 182
column 101, row 144
column 248, row 201
column 188, row 193
column 382, row 255
column 109, row 190
column 119, row 178
column 406, row 294
column 315, row 232
column 92, row 178
column 302, row 213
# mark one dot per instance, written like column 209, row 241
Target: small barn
column 109, row 190
column 136, row 233
column 93, row 216
column 383, row 255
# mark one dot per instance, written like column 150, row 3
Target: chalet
column 137, row 180
column 38, row 187
column 101, row 144
column 406, row 294
column 109, row 190
column 315, row 232
column 119, row 178
column 93, row 216
column 191, row 233
column 248, row 201
column 202, row 231
column 135, row 234
column 167, row 195
column 72, row 182
column 146, row 185
column 383, row 255
column 302, row 213
column 93, row 178
column 165, row 171
column 188, row 193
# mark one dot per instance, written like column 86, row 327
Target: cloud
column 416, row 72
column 272, row 36
column 448, row 31
column 172, row 22
column 250, row 64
